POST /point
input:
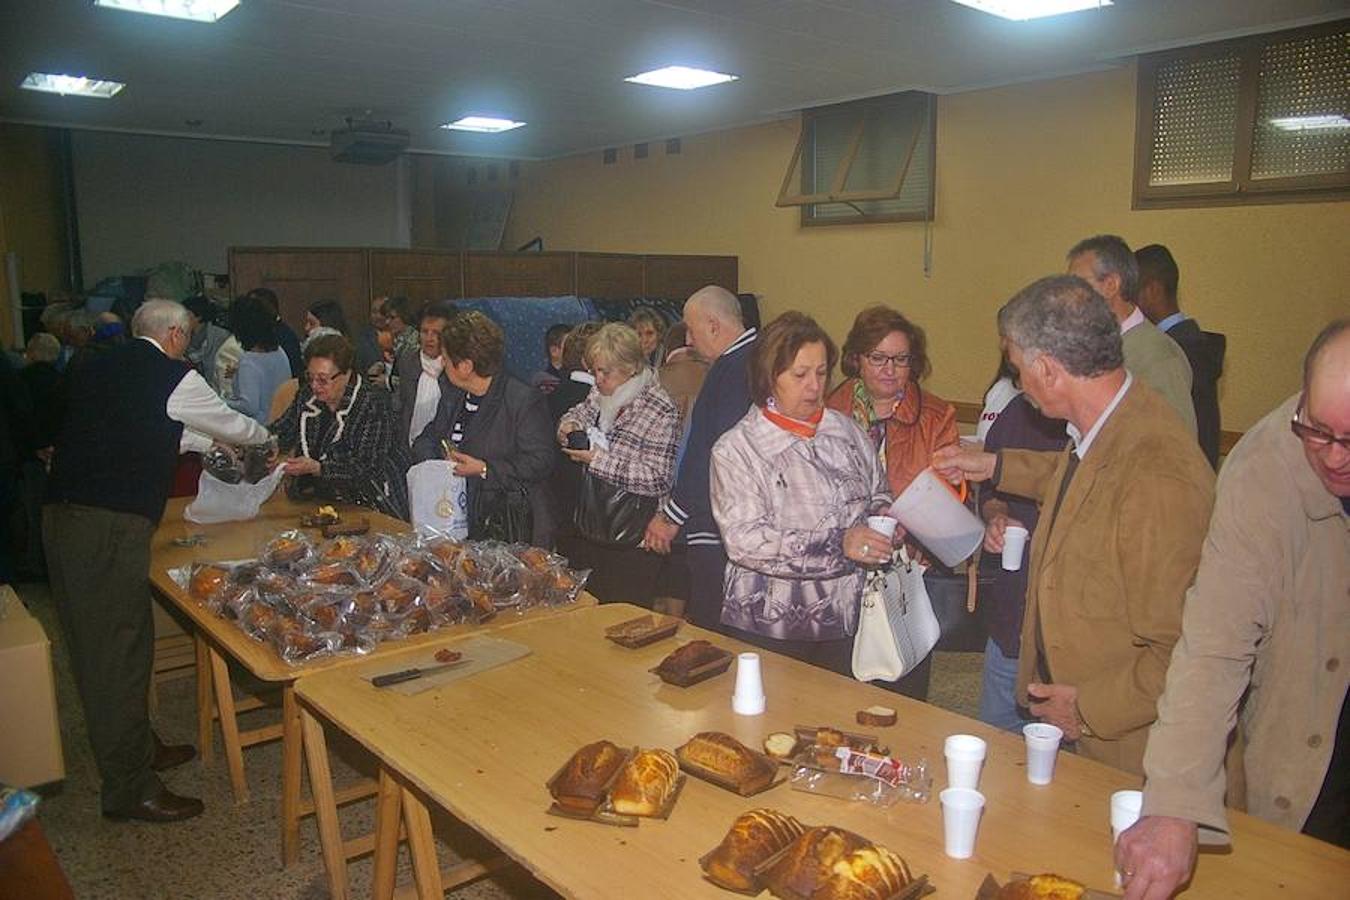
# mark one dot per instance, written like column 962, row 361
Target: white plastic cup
column 1042, row 748
column 965, row 757
column 960, row 821
column 882, row 525
column 748, row 697
column 1014, row 545
column 1125, row 809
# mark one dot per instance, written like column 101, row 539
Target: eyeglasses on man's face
column 879, row 360
column 1312, row 435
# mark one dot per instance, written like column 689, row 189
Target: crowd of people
column 721, row 471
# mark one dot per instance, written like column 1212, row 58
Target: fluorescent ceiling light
column 1021, row 10
column 1312, row 123
column 195, row 10
column 482, row 124
column 681, row 78
column 76, row 85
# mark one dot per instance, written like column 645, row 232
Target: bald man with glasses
column 1265, row 646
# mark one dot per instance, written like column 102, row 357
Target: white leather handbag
column 896, row 625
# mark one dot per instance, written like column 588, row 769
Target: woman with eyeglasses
column 885, row 357
column 339, row 434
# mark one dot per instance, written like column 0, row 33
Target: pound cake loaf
column 728, row 759
column 645, row 783
column 754, row 837
column 580, row 786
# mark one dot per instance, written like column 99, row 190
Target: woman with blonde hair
column 625, row 433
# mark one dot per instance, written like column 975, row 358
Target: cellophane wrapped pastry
column 348, row 594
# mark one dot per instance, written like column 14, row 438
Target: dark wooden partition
column 299, row 276
column 353, row 276
column 420, row 275
column 610, row 276
column 680, row 276
column 488, row 274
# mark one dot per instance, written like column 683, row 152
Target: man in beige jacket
column 1270, row 610
column 1124, row 514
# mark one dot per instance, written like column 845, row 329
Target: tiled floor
column 233, row 851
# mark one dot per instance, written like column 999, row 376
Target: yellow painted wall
column 1023, row 172
column 31, row 220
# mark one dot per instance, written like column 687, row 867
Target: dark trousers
column 620, row 574
column 99, row 563
column 833, row 655
column 707, row 575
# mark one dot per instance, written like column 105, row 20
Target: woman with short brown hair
column 495, row 429
column 792, row 485
column 885, row 358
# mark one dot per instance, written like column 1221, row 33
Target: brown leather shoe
column 169, row 755
column 165, row 806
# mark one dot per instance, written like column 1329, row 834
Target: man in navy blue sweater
column 717, row 333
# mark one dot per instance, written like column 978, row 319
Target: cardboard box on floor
column 30, row 754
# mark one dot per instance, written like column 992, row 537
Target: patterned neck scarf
column 803, row 428
column 865, row 415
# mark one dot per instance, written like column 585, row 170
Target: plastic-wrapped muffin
column 416, row 565
column 205, row 581
column 398, row 595
column 332, row 573
column 289, row 548
column 341, row 549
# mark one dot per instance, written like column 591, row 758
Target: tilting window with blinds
column 866, row 161
column 1257, row 120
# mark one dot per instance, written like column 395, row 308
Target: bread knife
column 389, row 678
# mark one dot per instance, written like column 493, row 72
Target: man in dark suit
column 1158, row 278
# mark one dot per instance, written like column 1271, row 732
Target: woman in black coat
column 339, row 434
column 495, row 429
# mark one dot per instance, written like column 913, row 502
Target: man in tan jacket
column 1124, row 513
column 1269, row 611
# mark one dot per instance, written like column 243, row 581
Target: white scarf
column 428, row 395
column 624, row 394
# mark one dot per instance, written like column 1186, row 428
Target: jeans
column 998, row 706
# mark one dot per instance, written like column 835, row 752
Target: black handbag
column 609, row 515
column 501, row 514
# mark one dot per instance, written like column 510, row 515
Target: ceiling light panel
column 681, row 78
column 1021, row 10
column 194, row 10
column 71, row 85
column 483, row 124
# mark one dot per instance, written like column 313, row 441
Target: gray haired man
column 130, row 411
column 1124, row 515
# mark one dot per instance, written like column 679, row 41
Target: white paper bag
column 438, row 499
column 896, row 625
column 219, row 501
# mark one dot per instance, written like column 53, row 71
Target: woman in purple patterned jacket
column 631, row 429
column 792, row 485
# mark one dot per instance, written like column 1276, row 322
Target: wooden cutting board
column 481, row 652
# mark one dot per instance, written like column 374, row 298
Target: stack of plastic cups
column 748, row 697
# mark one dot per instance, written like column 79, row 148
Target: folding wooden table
column 482, row 748
column 217, row 639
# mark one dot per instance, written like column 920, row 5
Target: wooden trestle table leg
column 325, row 805
column 291, row 747
column 205, row 708
column 229, row 725
column 388, row 807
